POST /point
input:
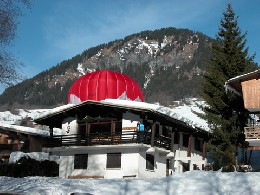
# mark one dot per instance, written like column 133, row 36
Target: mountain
column 166, row 63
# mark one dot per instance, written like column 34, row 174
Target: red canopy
column 102, row 85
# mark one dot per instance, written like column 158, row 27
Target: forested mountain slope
column 167, row 64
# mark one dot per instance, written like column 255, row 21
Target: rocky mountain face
column 166, row 63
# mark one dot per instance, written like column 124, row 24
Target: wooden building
column 248, row 85
column 20, row 138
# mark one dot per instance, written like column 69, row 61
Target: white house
column 123, row 139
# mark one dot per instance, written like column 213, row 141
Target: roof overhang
column 113, row 111
column 234, row 84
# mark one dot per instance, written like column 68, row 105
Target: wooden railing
column 107, row 138
column 252, row 132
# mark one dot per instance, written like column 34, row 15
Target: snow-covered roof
column 184, row 114
column 28, row 130
column 39, row 156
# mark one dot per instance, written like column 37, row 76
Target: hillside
column 167, row 64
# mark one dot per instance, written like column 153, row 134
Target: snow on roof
column 182, row 113
column 243, row 75
column 234, row 85
column 54, row 110
column 30, row 130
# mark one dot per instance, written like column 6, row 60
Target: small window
column 114, row 160
column 80, row 161
column 149, row 162
column 186, row 167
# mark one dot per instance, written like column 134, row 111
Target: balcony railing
column 252, row 132
column 107, row 138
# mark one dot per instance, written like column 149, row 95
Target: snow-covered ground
column 193, row 182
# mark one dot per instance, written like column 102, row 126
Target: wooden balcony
column 107, row 138
column 252, row 133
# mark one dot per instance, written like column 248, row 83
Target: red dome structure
column 102, row 85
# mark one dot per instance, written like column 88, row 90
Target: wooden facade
column 12, row 140
column 251, row 93
column 248, row 85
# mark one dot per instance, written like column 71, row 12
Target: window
column 198, row 144
column 80, row 161
column 186, row 167
column 114, row 160
column 186, row 140
column 149, row 162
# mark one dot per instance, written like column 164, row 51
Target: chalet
column 123, row 139
column 20, row 138
column 248, row 85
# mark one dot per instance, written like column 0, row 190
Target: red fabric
column 104, row 84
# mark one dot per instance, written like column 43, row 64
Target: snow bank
column 39, row 156
column 192, row 182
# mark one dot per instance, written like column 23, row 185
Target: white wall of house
column 133, row 159
column 159, row 166
column 181, row 156
column 97, row 159
column 133, row 164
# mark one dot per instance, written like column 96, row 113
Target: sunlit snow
column 192, row 182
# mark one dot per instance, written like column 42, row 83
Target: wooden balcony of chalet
column 107, row 138
column 252, row 133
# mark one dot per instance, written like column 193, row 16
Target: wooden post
column 204, row 150
column 189, row 146
column 88, row 128
column 113, row 130
column 172, row 141
column 153, row 135
column 51, row 132
column 88, row 132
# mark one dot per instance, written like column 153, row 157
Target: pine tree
column 225, row 111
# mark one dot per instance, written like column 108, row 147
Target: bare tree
column 10, row 11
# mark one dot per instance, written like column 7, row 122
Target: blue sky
column 56, row 30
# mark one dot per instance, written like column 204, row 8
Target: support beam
column 189, row 146
column 51, row 132
column 172, row 141
column 204, row 150
column 87, row 129
column 153, row 134
column 113, row 127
